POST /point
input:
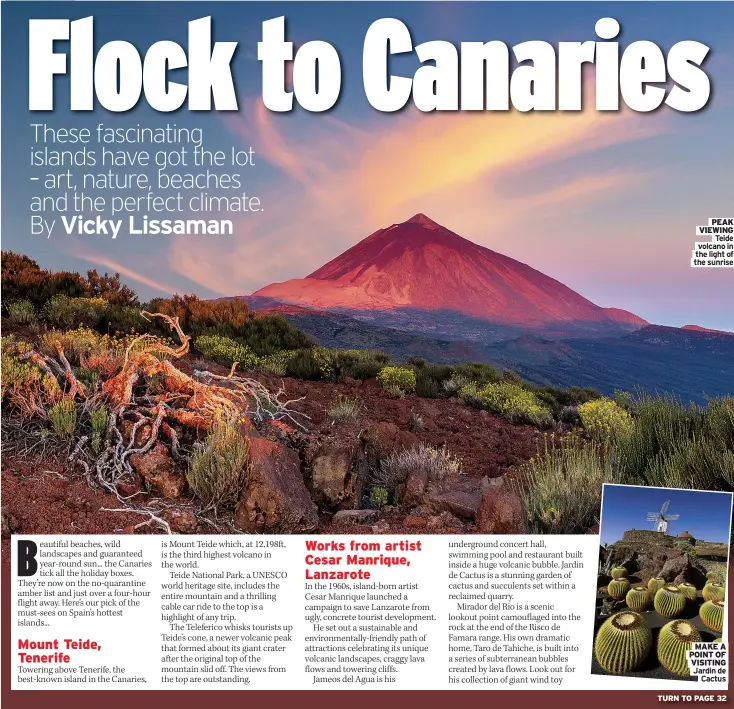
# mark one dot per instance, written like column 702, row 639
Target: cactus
column 655, row 584
column 639, row 599
column 712, row 615
column 713, row 591
column 719, row 640
column 675, row 639
column 669, row 602
column 623, row 642
column 618, row 588
column 619, row 573
column 689, row 591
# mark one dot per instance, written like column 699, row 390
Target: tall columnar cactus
column 623, row 642
column 713, row 591
column 619, row 573
column 639, row 599
column 712, row 615
column 675, row 639
column 689, row 591
column 669, row 602
column 655, row 584
column 618, row 588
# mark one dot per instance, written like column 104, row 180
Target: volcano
column 419, row 265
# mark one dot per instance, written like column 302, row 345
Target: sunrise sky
column 605, row 203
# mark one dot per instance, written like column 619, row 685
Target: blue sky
column 606, row 205
column 705, row 515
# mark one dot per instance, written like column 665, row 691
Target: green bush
column 560, row 488
column 673, row 445
column 359, row 364
column 379, row 496
column 62, row 311
column 316, row 364
column 14, row 372
column 603, row 420
column 77, row 344
column 98, row 419
column 226, row 351
column 219, row 466
column 22, row 312
column 511, row 401
column 397, row 380
column 558, row 399
column 63, row 418
column 123, row 319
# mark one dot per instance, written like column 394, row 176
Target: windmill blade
column 652, row 516
column 670, row 518
column 664, row 508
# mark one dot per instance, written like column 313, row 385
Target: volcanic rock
column 500, row 512
column 157, row 468
column 275, row 499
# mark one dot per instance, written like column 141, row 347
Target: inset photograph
column 661, row 587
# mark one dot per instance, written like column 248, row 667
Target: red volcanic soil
column 421, row 264
column 625, row 316
column 44, row 496
column 698, row 328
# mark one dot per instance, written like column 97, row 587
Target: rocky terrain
column 309, row 480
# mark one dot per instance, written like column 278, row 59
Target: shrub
column 477, row 372
column 219, row 466
column 438, row 463
column 359, row 364
column 560, row 488
column 673, row 445
column 513, row 402
column 98, row 419
column 344, row 410
column 276, row 363
column 63, row 418
column 22, row 312
column 123, row 319
column 603, row 420
column 14, row 372
column 77, row 344
column 226, row 351
column 416, row 422
column 316, row 363
column 397, row 380
column 65, row 312
column 558, row 399
column 379, row 496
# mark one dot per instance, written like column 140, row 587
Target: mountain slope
column 421, row 265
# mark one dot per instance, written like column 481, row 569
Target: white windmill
column 661, row 519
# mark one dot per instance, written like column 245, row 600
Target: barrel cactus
column 618, row 588
column 669, row 602
column 713, row 591
column 689, row 591
column 619, row 573
column 712, row 615
column 639, row 599
column 655, row 584
column 623, row 642
column 675, row 639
